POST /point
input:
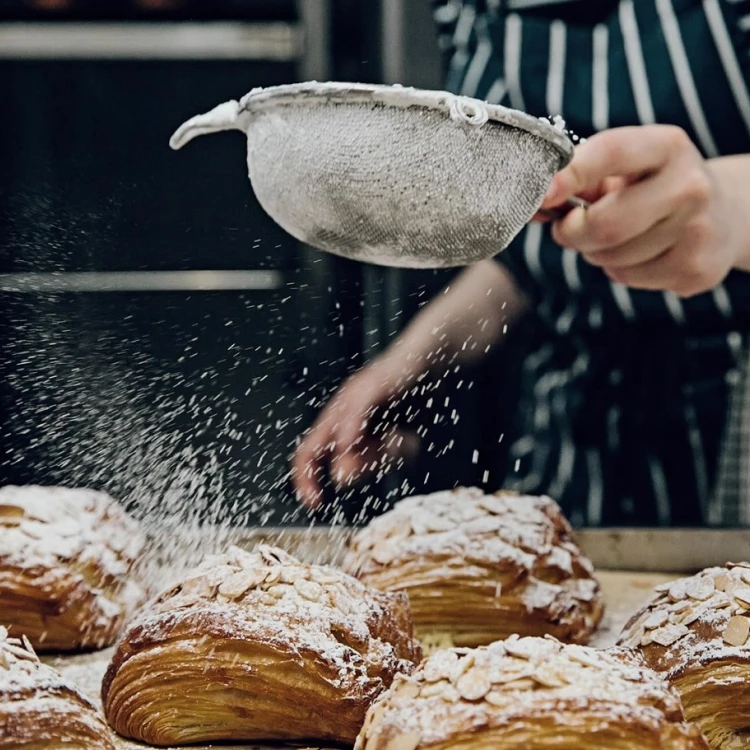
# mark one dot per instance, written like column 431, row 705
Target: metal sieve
column 390, row 175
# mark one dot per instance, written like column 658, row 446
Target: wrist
column 408, row 358
column 732, row 176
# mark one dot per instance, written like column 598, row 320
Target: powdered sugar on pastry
column 696, row 631
column 65, row 565
column 276, row 630
column 695, row 620
column 481, row 566
column 38, row 708
column 530, row 693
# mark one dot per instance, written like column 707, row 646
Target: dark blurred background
column 160, row 337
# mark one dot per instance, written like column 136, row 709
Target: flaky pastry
column 530, row 693
column 479, row 567
column 695, row 631
column 65, row 566
column 39, row 710
column 257, row 646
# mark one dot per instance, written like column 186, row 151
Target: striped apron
column 625, row 396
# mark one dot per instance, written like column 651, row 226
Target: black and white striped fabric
column 625, row 400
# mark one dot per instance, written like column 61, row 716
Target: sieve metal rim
column 319, row 94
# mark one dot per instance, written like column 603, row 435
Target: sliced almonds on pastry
column 480, row 567
column 258, row 646
column 39, row 709
column 696, row 631
column 530, row 693
column 66, row 560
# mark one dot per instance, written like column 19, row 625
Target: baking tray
column 625, row 549
column 625, row 560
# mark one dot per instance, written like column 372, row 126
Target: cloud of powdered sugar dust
column 163, row 399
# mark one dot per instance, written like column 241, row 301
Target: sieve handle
column 227, row 116
column 560, row 213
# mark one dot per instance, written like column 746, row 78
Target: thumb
column 621, row 152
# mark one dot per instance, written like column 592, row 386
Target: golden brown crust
column 65, row 562
column 39, row 710
column 696, row 632
column 479, row 567
column 531, row 693
column 257, row 646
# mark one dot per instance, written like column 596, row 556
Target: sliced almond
column 742, row 594
column 496, row 648
column 669, row 634
column 691, row 616
column 525, row 683
column 549, row 677
column 375, row 714
column 656, row 619
column 678, row 607
column 450, row 694
column 737, row 631
column 199, row 586
column 700, row 588
column 3, row 633
column 721, row 582
column 462, row 666
column 435, row 524
column 510, row 672
column 531, row 648
column 440, row 666
column 408, row 741
column 340, row 601
column 583, row 655
column 473, row 685
column 19, row 652
column 325, row 578
column 309, row 590
column 435, row 689
column 494, row 505
column 678, row 590
column 484, row 524
column 407, row 689
column 496, row 698
column 291, row 575
column 27, row 645
column 279, row 590
column 236, row 585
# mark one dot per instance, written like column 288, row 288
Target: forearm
column 462, row 324
column 732, row 174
